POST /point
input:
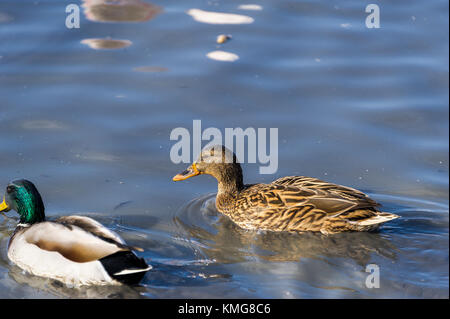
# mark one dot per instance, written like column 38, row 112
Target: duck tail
column 125, row 267
column 380, row 218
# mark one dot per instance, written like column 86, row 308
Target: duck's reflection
column 119, row 10
column 222, row 240
column 60, row 290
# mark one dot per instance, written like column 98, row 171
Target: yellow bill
column 4, row 207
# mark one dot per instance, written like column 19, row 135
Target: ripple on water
column 334, row 263
column 203, row 248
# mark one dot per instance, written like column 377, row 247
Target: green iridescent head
column 23, row 197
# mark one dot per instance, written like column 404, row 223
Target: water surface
column 86, row 114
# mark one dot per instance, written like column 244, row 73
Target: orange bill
column 189, row 172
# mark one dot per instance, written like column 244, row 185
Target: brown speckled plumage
column 293, row 203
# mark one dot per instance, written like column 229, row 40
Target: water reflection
column 43, row 125
column 119, row 10
column 5, row 18
column 222, row 56
column 58, row 289
column 335, row 91
column 218, row 17
column 106, row 44
column 253, row 7
column 223, row 241
column 150, row 69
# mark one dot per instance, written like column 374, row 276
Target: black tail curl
column 121, row 261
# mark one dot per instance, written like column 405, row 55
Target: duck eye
column 9, row 189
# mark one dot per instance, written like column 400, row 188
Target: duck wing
column 295, row 205
column 316, row 184
column 329, row 201
column 94, row 227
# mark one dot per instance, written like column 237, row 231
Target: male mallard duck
column 76, row 250
column 293, row 203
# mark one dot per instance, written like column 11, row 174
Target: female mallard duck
column 294, row 203
column 76, row 250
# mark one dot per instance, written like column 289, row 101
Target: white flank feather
column 52, row 264
column 132, row 271
column 379, row 219
column 25, row 252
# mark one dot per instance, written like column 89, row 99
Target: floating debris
column 254, row 7
column 99, row 44
column 222, row 38
column 218, row 17
column 222, row 56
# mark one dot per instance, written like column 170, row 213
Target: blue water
column 367, row 108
